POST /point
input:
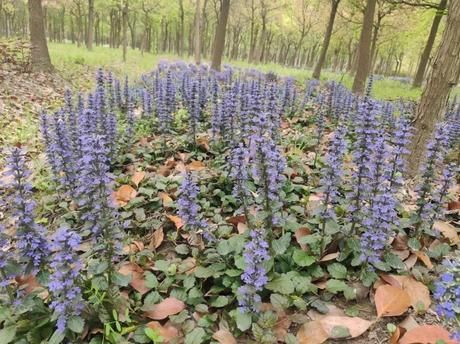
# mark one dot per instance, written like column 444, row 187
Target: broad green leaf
column 281, row 245
column 76, row 324
column 197, row 336
column 334, row 286
column 202, row 272
column 337, row 270
column 282, row 285
column 302, row 258
column 8, row 334
column 220, row 301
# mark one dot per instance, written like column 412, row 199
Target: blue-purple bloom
column 254, row 277
column 65, row 267
column 31, row 241
column 188, row 204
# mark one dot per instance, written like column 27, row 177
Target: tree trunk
column 429, row 45
column 125, row 29
column 219, row 38
column 89, row 39
column 327, row 39
column 197, row 33
column 364, row 50
column 181, row 27
column 40, row 56
column 442, row 78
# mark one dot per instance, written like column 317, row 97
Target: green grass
column 73, row 61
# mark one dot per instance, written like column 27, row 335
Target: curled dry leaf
column 157, row 238
column 425, row 259
column 403, row 254
column 330, row 256
column 448, row 231
column 167, row 332
column 299, row 234
column 312, row 333
column 418, row 292
column 166, row 200
column 137, row 276
column 165, row 308
column 235, row 220
column 134, row 247
column 224, row 337
column 29, row 284
column 124, row 194
column 409, row 323
column 410, row 262
column 137, row 177
column 196, row 165
column 427, row 334
column 176, row 220
column 332, row 310
column 396, row 335
column 391, row 301
column 356, row 326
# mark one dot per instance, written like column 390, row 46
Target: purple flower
column 254, row 277
column 188, row 203
column 65, row 267
column 333, row 171
column 239, row 162
column 31, row 242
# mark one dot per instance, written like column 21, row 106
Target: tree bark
column 364, row 50
column 197, row 32
column 40, row 56
column 89, row 39
column 443, row 77
column 181, row 27
column 219, row 38
column 125, row 29
column 327, row 39
column 429, row 45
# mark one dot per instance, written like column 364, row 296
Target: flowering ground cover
column 192, row 206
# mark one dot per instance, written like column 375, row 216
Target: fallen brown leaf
column 419, row 294
column 391, row 301
column 124, row 194
column 176, row 220
column 137, row 276
column 448, row 231
column 312, row 333
column 165, row 308
column 299, row 234
column 409, row 323
column 330, row 256
column 356, row 326
column 196, row 165
column 157, row 238
column 426, row 334
column 224, row 337
column 167, row 332
column 137, row 177
column 166, row 200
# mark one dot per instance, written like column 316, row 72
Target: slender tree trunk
column 197, row 32
column 219, row 38
column 327, row 39
column 443, row 77
column 89, row 39
column 364, row 51
column 181, row 27
column 429, row 45
column 40, row 56
column 125, row 29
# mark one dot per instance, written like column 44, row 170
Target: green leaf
column 182, row 249
column 224, row 248
column 368, row 277
column 340, row 332
column 150, row 280
column 281, row 245
column 302, row 258
column 290, row 339
column 337, row 270
column 352, row 311
column 282, row 285
column 202, row 272
column 220, row 301
column 394, row 261
column 153, row 334
column 414, row 244
column 279, row 302
column 56, row 338
column 76, row 324
column 7, row 334
column 243, row 320
column 139, row 214
column 334, row 286
column 121, row 280
column 197, row 336
column 349, row 293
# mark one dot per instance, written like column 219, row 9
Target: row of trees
column 301, row 33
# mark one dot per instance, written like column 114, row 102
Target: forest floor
column 24, row 95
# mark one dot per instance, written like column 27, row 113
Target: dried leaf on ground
column 312, row 333
column 157, row 238
column 299, row 234
column 166, row 200
column 355, row 326
column 391, row 301
column 167, row 332
column 176, row 220
column 426, row 334
column 224, row 337
column 165, row 308
column 124, row 194
column 196, row 165
column 448, row 231
column 418, row 292
column 409, row 323
column 425, row 259
column 137, row 177
column 137, row 276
